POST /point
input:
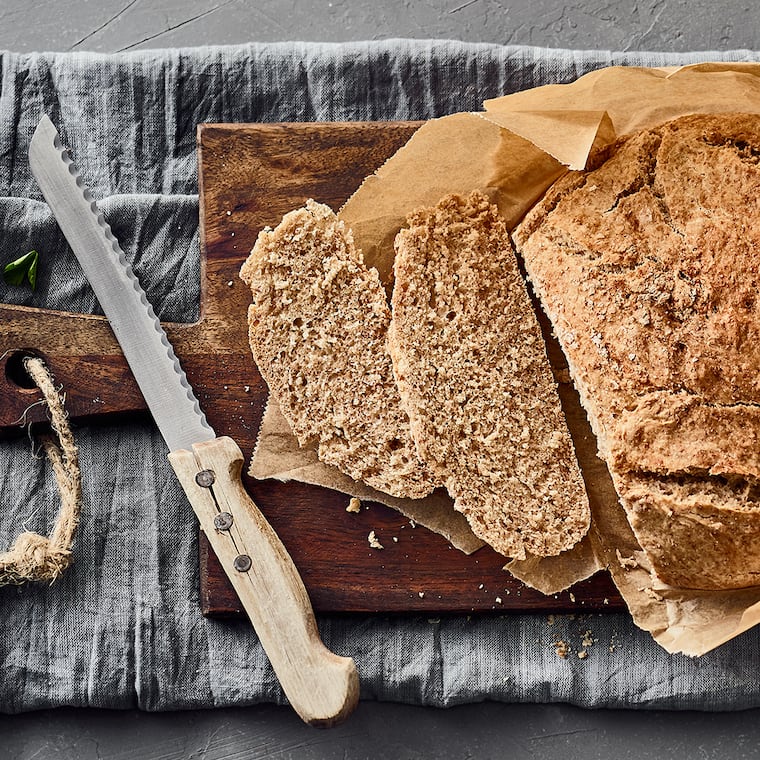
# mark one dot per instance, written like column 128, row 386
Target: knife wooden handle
column 322, row 687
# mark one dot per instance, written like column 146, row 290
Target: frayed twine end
column 33, row 558
column 40, row 558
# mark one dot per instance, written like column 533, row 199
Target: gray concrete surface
column 381, row 730
column 111, row 25
column 470, row 732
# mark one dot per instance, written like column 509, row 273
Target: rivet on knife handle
column 321, row 686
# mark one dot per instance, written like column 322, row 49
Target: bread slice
column 472, row 369
column 318, row 329
column 647, row 265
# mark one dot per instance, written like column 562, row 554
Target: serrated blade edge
column 149, row 353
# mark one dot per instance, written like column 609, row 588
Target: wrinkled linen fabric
column 122, row 627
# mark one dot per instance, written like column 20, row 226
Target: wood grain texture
column 250, row 176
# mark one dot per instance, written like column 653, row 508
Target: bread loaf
column 472, row 369
column 648, row 265
column 318, row 329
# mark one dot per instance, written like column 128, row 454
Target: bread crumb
column 498, row 600
column 626, row 562
column 583, row 654
column 561, row 648
column 229, row 213
column 572, row 597
column 373, row 542
column 395, row 539
column 550, row 620
column 588, row 639
column 480, row 587
column 421, row 594
column 247, row 388
column 229, row 284
column 652, row 594
column 354, row 505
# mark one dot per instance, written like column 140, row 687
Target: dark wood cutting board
column 249, row 176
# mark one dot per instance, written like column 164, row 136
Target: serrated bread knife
column 322, row 687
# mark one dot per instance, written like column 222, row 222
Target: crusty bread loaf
column 318, row 329
column 472, row 369
column 648, row 267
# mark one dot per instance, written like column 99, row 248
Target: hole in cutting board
column 15, row 372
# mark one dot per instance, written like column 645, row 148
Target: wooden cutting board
column 249, row 176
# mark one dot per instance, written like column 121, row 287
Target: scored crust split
column 474, row 376
column 318, row 328
column 649, row 267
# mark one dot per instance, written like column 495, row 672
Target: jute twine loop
column 43, row 558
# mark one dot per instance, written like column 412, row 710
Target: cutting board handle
column 322, row 687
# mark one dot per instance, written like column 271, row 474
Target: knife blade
column 321, row 686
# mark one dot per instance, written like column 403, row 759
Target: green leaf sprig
column 24, row 267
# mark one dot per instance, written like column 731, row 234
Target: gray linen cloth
column 122, row 627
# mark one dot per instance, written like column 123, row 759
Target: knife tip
column 45, row 129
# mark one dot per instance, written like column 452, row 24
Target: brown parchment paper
column 514, row 151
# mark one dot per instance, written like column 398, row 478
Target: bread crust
column 318, row 329
column 472, row 369
column 648, row 267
